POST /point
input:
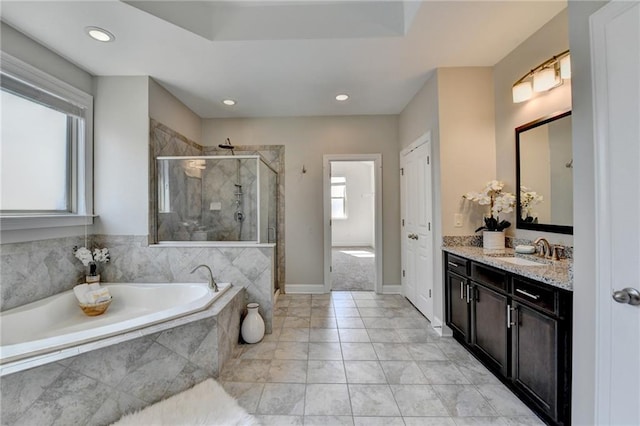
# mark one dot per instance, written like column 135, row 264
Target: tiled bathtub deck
column 365, row 359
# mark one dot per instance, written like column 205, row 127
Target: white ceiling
column 283, row 58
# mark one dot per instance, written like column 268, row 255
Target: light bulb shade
column 522, row 92
column 565, row 67
column 545, row 79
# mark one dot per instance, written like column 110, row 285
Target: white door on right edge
column 417, row 246
column 615, row 50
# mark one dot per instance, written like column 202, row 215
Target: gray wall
column 167, row 109
column 306, row 140
column 549, row 40
column 121, row 152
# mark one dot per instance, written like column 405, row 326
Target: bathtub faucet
column 212, row 282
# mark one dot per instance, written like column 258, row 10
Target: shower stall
column 216, row 198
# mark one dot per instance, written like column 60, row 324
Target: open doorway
column 352, row 240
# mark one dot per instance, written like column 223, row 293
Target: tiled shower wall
column 273, row 155
column 193, row 189
column 164, row 141
column 219, row 186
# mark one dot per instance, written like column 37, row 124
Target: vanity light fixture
column 342, row 97
column 229, row 102
column 100, row 34
column 546, row 76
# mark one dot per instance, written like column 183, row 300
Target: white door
column 417, row 236
column 615, row 49
column 408, row 213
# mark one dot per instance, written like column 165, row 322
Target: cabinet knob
column 627, row 295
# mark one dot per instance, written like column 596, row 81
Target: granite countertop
column 557, row 273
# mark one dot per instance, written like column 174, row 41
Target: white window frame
column 345, row 215
column 81, row 192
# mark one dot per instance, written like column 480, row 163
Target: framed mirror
column 544, row 175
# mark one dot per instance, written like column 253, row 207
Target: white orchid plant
column 499, row 201
column 90, row 258
column 528, row 199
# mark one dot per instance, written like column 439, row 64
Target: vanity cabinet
column 489, row 322
column 534, row 353
column 458, row 287
column 519, row 328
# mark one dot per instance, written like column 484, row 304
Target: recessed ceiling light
column 100, row 34
column 229, row 102
column 342, row 97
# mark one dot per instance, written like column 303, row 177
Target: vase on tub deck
column 92, row 274
column 253, row 325
column 493, row 241
column 90, row 279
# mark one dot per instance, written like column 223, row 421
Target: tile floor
column 357, row 358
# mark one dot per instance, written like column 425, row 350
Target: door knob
column 627, row 295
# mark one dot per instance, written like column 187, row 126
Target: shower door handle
column 269, row 229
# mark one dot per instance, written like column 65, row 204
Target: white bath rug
column 205, row 404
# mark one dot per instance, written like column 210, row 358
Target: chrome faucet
column 212, row 282
column 546, row 247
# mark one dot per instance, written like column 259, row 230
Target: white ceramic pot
column 493, row 241
column 253, row 325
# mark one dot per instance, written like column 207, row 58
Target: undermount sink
column 520, row 261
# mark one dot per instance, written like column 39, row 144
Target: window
column 45, row 149
column 338, row 197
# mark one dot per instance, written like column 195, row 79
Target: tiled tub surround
column 35, row 270
column 124, row 373
column 249, row 267
column 556, row 273
column 38, row 269
column 55, row 323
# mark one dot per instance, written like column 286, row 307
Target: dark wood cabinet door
column 535, row 357
column 458, row 306
column 489, row 312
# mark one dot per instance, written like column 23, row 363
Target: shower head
column 227, row 145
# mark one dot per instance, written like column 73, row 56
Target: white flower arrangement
column 90, row 259
column 528, row 199
column 498, row 202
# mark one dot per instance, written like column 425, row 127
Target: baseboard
column 319, row 289
column 391, row 289
column 440, row 328
column 304, row 288
column 344, row 245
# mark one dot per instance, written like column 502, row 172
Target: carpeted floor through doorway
column 354, row 268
